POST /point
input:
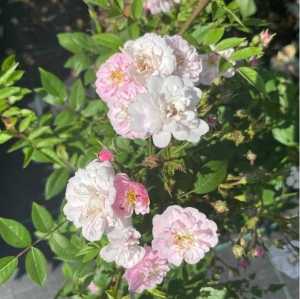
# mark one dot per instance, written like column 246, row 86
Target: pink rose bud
column 258, row 251
column 243, row 264
column 105, row 155
column 93, row 288
column 266, row 37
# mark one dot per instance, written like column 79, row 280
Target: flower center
column 117, row 76
column 131, row 197
column 143, row 64
column 183, row 241
column 179, row 59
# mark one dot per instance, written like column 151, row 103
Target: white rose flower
column 210, row 66
column 188, row 61
column 151, row 56
column 123, row 248
column 168, row 108
column 90, row 195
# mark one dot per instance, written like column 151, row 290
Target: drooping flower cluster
column 102, row 202
column 159, row 6
column 150, row 91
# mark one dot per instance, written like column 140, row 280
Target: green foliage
column 14, row 233
column 36, row 266
column 8, row 266
column 56, row 182
column 41, row 218
column 211, row 175
column 236, row 174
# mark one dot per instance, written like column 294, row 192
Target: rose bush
column 188, row 150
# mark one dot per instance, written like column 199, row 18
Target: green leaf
column 14, row 233
column 39, row 132
column 88, row 253
column 53, row 85
column 28, row 154
column 36, row 266
column 25, row 123
column 95, row 107
column 120, row 4
column 48, row 142
column 110, row 295
column 101, row 3
column 5, row 78
column 207, row 34
column 211, row 175
column 8, row 266
column 108, row 40
column 41, row 218
column 247, row 7
column 268, row 197
column 6, row 92
column 56, row 182
column 252, row 77
column 134, row 30
column 77, row 95
column 228, row 43
column 76, row 42
column 64, row 118
column 137, row 9
column 212, row 36
column 211, row 293
column 246, row 53
column 4, row 137
column 62, row 247
column 78, row 63
column 286, row 136
column 157, row 293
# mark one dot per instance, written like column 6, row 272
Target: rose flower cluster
column 150, row 91
column 99, row 202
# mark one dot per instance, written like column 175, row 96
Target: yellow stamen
column 184, row 240
column 131, row 197
column 117, row 76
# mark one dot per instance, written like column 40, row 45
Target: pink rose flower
column 105, row 155
column 114, row 83
column 121, row 121
column 148, row 273
column 183, row 234
column 131, row 196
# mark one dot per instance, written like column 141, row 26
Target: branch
column 200, row 6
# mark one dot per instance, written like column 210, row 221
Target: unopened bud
column 151, row 162
column 238, row 251
column 105, row 155
column 258, row 251
column 220, row 206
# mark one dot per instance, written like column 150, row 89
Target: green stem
column 40, row 240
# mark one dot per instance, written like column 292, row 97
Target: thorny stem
column 200, row 6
